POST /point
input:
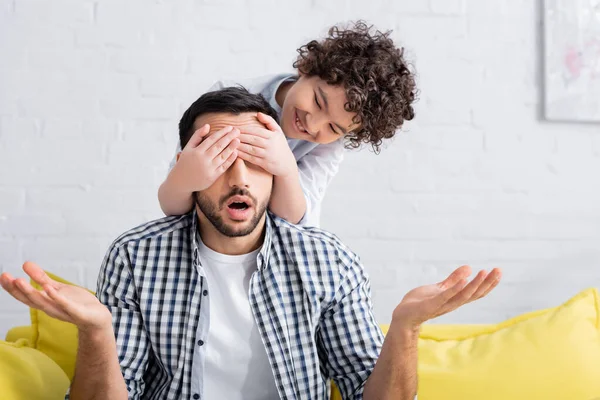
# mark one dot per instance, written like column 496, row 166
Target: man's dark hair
column 379, row 86
column 231, row 100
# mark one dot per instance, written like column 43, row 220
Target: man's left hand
column 431, row 301
column 267, row 148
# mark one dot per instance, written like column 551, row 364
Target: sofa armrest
column 20, row 332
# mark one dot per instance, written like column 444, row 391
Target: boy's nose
column 313, row 123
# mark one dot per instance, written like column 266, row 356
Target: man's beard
column 211, row 211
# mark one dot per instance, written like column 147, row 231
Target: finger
column 226, row 153
column 197, row 137
column 222, row 143
column 436, row 305
column 251, row 159
column 213, row 138
column 489, row 280
column 8, row 283
column 494, row 277
column 253, row 130
column 489, row 289
column 254, row 140
column 52, row 308
column 61, row 301
column 449, row 293
column 458, row 274
column 38, row 274
column 227, row 163
column 6, row 280
column 466, row 294
column 252, row 150
column 268, row 121
column 31, row 294
column 35, row 298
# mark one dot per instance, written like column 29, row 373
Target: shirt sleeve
column 350, row 339
column 215, row 86
column 317, row 169
column 116, row 290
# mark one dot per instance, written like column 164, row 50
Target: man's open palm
column 65, row 302
column 431, row 301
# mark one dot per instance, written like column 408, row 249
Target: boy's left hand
column 267, row 148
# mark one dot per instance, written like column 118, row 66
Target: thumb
column 269, row 122
column 197, row 137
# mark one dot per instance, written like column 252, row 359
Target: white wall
column 91, row 92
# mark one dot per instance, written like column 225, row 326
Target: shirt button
column 205, row 292
column 200, row 342
column 196, row 396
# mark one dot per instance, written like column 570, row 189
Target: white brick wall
column 91, row 92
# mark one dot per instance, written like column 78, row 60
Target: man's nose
column 237, row 174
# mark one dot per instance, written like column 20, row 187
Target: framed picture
column 572, row 60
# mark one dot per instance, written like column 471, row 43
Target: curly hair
column 379, row 86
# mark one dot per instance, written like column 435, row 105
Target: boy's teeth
column 299, row 126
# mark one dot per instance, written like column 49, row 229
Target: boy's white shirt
column 317, row 163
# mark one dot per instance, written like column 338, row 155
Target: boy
column 352, row 87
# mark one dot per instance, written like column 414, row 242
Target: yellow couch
column 547, row 354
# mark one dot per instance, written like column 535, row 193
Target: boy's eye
column 317, row 101
column 333, row 130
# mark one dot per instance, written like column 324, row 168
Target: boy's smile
column 299, row 125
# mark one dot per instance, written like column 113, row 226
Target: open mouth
column 239, row 209
column 238, row 205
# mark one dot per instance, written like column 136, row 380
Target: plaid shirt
column 310, row 297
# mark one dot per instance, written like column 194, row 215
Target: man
column 232, row 302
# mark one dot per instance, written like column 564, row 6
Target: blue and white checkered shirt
column 310, row 297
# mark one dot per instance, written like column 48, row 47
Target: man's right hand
column 204, row 159
column 65, row 302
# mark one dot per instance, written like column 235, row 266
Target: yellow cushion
column 546, row 354
column 20, row 332
column 26, row 374
column 55, row 338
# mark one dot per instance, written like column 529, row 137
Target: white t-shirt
column 236, row 363
column 317, row 163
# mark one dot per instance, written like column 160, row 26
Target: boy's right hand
column 205, row 158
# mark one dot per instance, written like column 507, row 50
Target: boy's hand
column 203, row 160
column 68, row 303
column 267, row 148
column 431, row 301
